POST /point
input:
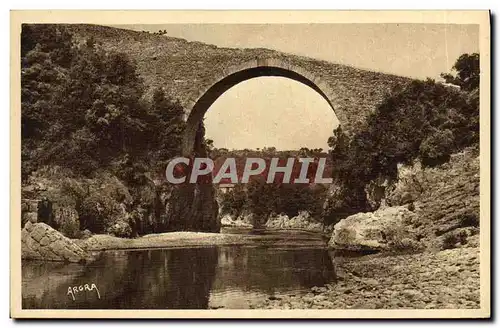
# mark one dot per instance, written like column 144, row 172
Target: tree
column 262, row 200
column 167, row 125
column 86, row 109
column 83, row 107
column 46, row 53
column 234, row 201
column 435, row 148
column 466, row 72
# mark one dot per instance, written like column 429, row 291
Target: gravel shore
column 447, row 279
column 268, row 238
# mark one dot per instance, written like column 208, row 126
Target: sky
column 288, row 115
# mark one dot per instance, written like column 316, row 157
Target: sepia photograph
column 266, row 164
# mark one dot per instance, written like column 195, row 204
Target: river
column 231, row 277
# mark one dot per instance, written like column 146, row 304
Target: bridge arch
column 248, row 70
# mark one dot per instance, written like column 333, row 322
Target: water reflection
column 186, row 278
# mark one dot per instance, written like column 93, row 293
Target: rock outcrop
column 193, row 207
column 303, row 221
column 241, row 221
column 446, row 201
column 40, row 242
column 435, row 208
column 29, row 209
column 379, row 230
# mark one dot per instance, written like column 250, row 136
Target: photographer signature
column 83, row 288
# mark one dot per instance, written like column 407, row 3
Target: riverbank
column 447, row 279
column 274, row 238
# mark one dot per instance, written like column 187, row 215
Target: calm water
column 182, row 278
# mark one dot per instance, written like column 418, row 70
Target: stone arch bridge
column 352, row 93
column 197, row 74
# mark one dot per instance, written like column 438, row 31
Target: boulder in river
column 373, row 231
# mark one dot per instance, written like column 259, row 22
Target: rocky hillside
column 448, row 202
column 432, row 208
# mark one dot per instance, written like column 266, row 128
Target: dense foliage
column 466, row 70
column 262, row 199
column 84, row 109
column 426, row 120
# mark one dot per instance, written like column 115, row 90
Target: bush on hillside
column 97, row 213
column 68, row 222
column 399, row 239
column 84, row 108
column 435, row 149
column 454, row 238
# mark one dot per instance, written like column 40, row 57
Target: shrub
column 98, row 212
column 400, row 240
column 407, row 245
column 470, row 219
column 452, row 238
column 71, row 229
column 234, row 201
column 67, row 222
column 437, row 148
column 120, row 229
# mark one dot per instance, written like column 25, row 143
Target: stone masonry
column 40, row 242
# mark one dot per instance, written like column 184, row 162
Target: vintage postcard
column 244, row 164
